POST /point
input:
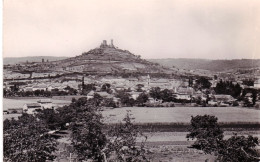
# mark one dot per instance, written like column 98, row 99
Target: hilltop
column 212, row 65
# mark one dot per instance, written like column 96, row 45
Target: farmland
column 182, row 114
column 170, row 145
column 153, row 115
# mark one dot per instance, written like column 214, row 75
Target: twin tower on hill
column 104, row 44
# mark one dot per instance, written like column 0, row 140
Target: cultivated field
column 182, row 114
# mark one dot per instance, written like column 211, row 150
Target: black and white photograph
column 130, row 81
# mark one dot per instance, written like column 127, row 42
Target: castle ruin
column 105, row 45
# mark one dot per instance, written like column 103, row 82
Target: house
column 153, row 101
column 39, row 87
column 31, row 108
column 185, row 90
column 223, row 98
column 257, row 84
column 90, row 94
column 134, row 95
column 45, row 103
column 30, row 89
column 249, row 96
column 120, row 87
column 5, row 112
column 15, row 110
column 105, row 94
column 213, row 103
column 183, row 96
column 201, row 95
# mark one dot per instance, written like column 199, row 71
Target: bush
column 27, row 139
column 209, row 138
column 235, row 103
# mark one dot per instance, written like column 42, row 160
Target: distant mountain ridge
column 212, row 65
column 17, row 60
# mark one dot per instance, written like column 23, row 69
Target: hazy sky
column 220, row 29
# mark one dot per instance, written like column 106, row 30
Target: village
column 178, row 91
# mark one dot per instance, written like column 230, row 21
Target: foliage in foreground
column 209, row 139
column 87, row 136
column 27, row 139
column 122, row 145
column 92, row 141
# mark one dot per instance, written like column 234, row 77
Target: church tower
column 148, row 81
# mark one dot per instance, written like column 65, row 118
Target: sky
column 215, row 29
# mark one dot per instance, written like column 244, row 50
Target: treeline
column 236, row 91
column 227, row 87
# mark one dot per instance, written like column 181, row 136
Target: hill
column 103, row 59
column 212, row 65
column 18, row 60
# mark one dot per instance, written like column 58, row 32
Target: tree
column 92, row 141
column 227, row 87
column 239, row 148
column 27, row 139
column 97, row 99
column 202, row 83
column 109, row 102
column 105, row 87
column 51, row 118
column 190, row 82
column 125, row 98
column 141, row 99
column 209, row 138
column 248, row 82
column 139, row 87
column 88, row 138
column 155, row 92
column 70, row 91
column 87, row 88
column 167, row 95
column 207, row 132
column 246, row 98
column 122, row 144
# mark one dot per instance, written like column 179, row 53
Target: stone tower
column 112, row 45
column 104, row 42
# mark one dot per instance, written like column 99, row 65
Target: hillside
column 17, row 60
column 212, row 65
column 103, row 59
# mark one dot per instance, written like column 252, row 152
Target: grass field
column 182, row 114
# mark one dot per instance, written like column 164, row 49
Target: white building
column 31, row 108
column 46, row 103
